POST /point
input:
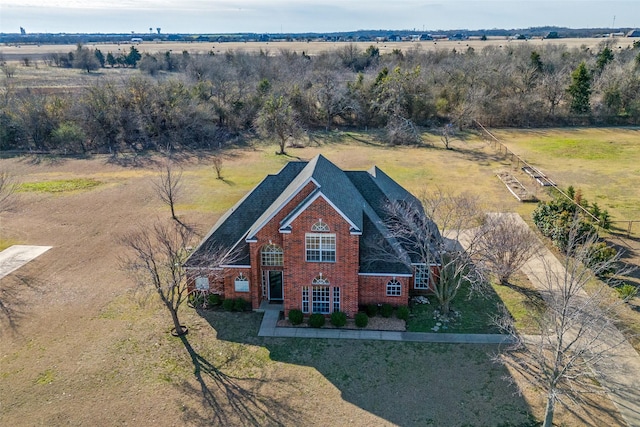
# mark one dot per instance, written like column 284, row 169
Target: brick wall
column 373, row 290
column 270, row 233
column 343, row 273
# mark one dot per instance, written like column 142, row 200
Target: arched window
column 241, row 283
column 320, row 226
column 320, row 280
column 272, row 255
column 394, row 288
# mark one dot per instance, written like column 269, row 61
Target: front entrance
column 275, row 286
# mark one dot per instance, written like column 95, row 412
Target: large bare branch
column 504, row 246
column 575, row 332
column 156, row 259
column 8, row 189
column 168, row 186
column 414, row 229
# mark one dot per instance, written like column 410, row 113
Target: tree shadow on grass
column 226, row 400
column 15, row 292
column 402, row 383
column 534, row 297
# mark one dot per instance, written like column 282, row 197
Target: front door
column 275, row 286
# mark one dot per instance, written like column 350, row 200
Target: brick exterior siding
column 342, row 273
column 355, row 290
column 373, row 290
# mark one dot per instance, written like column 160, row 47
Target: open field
column 38, row 52
column 86, row 349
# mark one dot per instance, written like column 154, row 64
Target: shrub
column 239, row 304
column 196, row 300
column 295, row 316
column 214, row 300
column 627, row 291
column 227, row 304
column 338, row 318
column 599, row 258
column 372, row 310
column 362, row 320
column 403, row 312
column 316, row 320
column 386, row 310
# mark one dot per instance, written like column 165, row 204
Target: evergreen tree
column 133, row 57
column 604, row 57
column 580, row 89
column 111, row 60
column 100, row 57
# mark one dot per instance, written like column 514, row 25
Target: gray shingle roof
column 361, row 196
column 231, row 228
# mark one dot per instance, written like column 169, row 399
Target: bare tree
column 446, row 134
column 574, row 333
column 217, row 165
column 413, row 226
column 8, row 188
column 505, row 244
column 156, row 261
column 168, row 186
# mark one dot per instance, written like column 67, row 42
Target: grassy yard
column 84, row 349
column 472, row 314
column 602, row 162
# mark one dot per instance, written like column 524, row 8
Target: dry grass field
column 36, row 52
column 85, row 348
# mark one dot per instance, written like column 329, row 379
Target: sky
column 298, row 16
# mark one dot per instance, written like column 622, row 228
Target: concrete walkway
column 620, row 372
column 16, row 256
column 268, row 328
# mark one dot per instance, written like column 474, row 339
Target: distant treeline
column 359, row 35
column 181, row 100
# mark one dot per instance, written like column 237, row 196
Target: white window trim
column 202, row 283
column 321, row 250
column 241, row 283
column 394, row 288
column 326, row 290
column 420, row 285
column 272, row 253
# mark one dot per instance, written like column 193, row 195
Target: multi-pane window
column 305, row 299
column 320, row 226
column 421, row 278
column 241, row 284
column 394, row 288
column 320, row 299
column 336, row 299
column 272, row 255
column 202, row 283
column 320, row 247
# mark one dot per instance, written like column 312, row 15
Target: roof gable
column 360, row 197
column 334, row 185
column 285, row 224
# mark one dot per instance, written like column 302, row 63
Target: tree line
column 185, row 100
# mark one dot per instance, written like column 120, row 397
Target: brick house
column 307, row 237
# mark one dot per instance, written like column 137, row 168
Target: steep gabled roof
column 232, row 227
column 333, row 183
column 361, row 197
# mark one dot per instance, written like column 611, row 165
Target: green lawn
column 472, row 314
column 603, row 162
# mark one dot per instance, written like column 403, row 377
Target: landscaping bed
column 377, row 323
